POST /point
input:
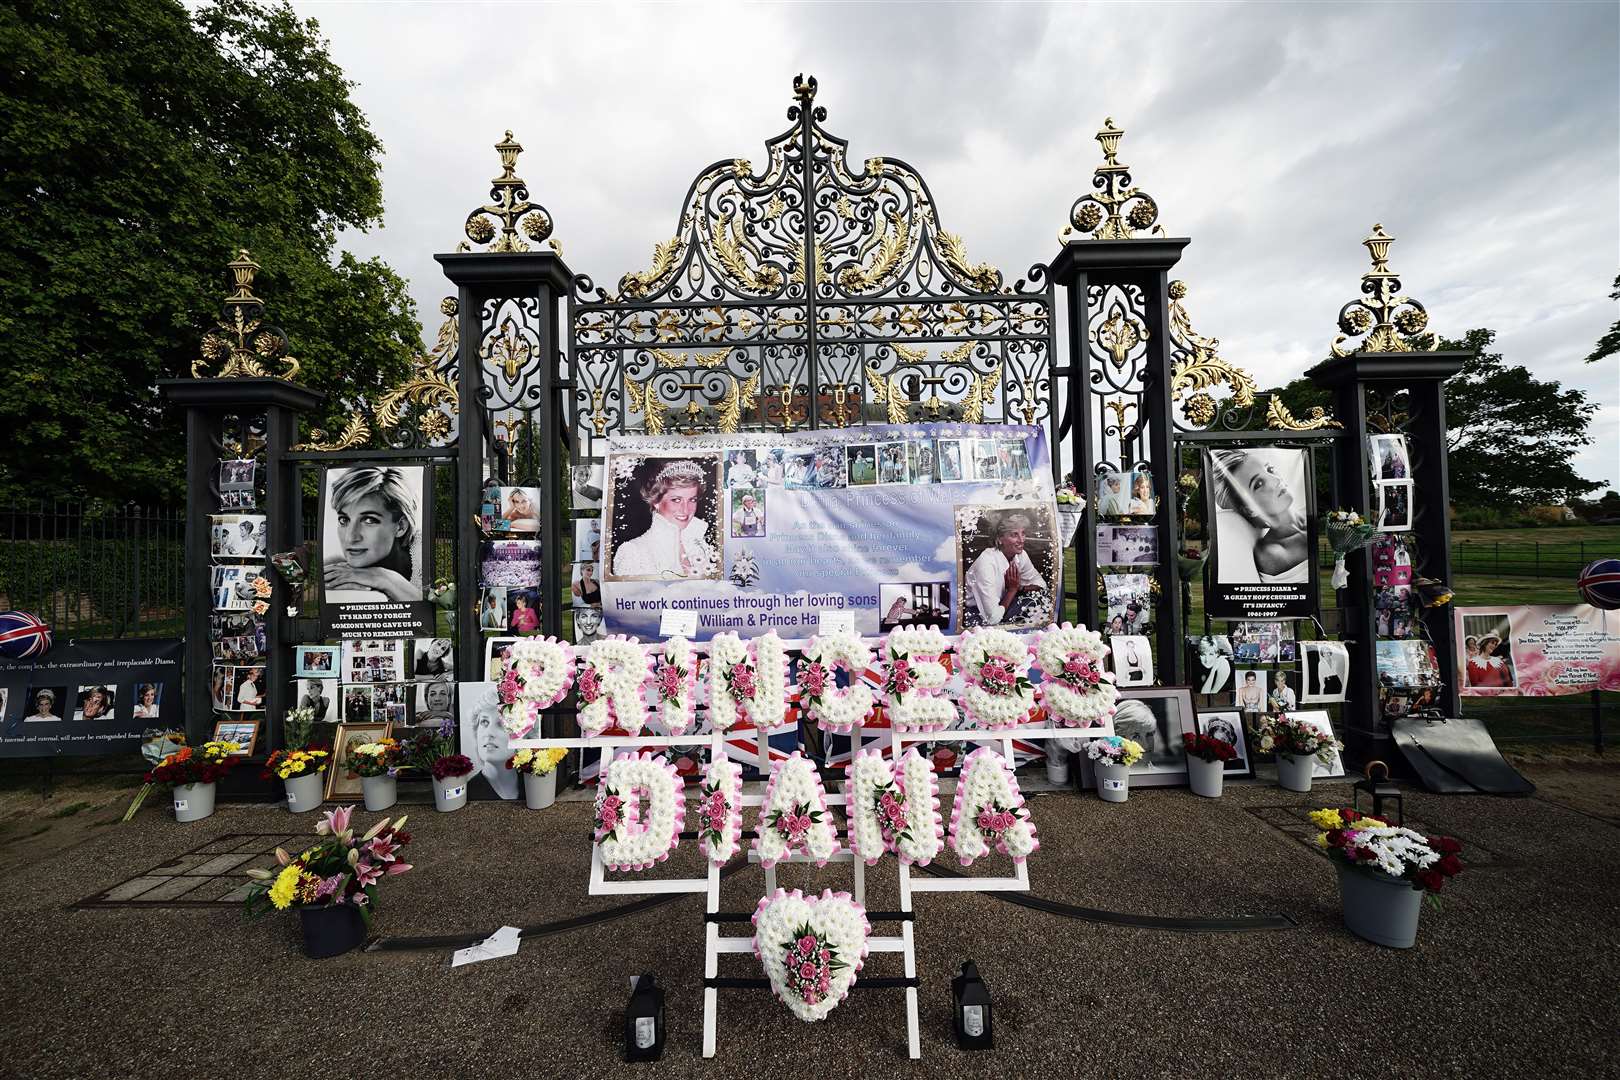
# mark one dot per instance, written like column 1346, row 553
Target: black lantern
column 644, row 1021
column 972, row 1012
column 1382, row 791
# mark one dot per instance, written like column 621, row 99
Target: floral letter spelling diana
column 990, row 810
column 794, row 815
column 634, row 836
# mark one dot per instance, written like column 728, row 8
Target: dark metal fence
column 95, row 571
column 1561, row 559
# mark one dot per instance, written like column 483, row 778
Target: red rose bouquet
column 1207, row 747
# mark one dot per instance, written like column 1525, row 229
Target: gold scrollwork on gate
column 1279, row 418
column 429, row 384
column 241, row 343
column 1201, row 367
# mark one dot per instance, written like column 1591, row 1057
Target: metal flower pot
column 1113, row 782
column 450, row 793
column 1205, row 777
column 193, row 802
column 540, row 789
column 305, row 792
column 1294, row 773
column 380, row 792
column 1379, row 908
column 331, row 930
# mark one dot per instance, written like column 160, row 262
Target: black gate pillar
column 511, row 367
column 1117, row 292
column 1390, row 385
column 243, row 387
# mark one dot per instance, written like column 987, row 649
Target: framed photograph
column 587, row 626
column 914, row 603
column 1126, row 494
column 1001, row 543
column 1127, row 545
column 1212, row 654
column 1395, row 506
column 1228, row 727
column 747, row 512
column 46, row 704
column 1130, row 603
column 1487, row 642
column 373, row 534
column 237, row 536
column 1263, row 560
column 96, row 702
column 1157, row 717
column 862, row 462
column 1318, row 719
column 585, row 485
column 315, row 661
column 244, row 733
column 1327, row 671
column 321, row 696
column 663, row 518
column 1133, row 660
column 742, row 469
column 342, row 783
column 485, row 740
column 952, row 463
column 1388, row 457
column 587, row 539
column 495, row 649
column 894, row 465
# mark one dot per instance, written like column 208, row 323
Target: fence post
column 1497, row 544
column 135, row 585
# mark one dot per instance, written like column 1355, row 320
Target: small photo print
column 773, row 463
column 496, row 648
column 434, row 702
column 914, row 603
column 357, row 704
column 1133, row 660
column 320, row 697
column 237, row 473
column 243, row 499
column 1395, row 506
column 742, row 469
column 237, row 536
column 509, row 563
column 1282, row 690
column 951, row 461
column 1127, row 545
column 587, row 539
column 1012, row 458
column 1126, row 494
column 1391, row 561
column 986, row 462
column 747, row 512
column 1249, row 694
column 920, row 455
column 250, row 686
column 585, row 589
column 233, row 587
column 1487, row 652
column 587, row 625
column 316, row 661
column 514, row 509
column 1213, row 654
column 148, row 696
column 894, row 466
column 433, row 659
column 862, row 465
column 523, row 607
column 1327, row 671
column 1130, row 603
column 45, row 704
column 492, row 608
column 586, row 485
column 1227, row 727
column 1392, row 611
column 1389, row 458
column 822, row 467
column 374, row 661
column 1263, row 642
column 222, row 687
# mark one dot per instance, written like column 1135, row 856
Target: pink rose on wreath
column 590, row 685
column 509, row 686
column 1078, row 670
column 997, row 677
column 669, row 680
column 807, row 945
column 742, row 681
column 813, row 677
column 900, row 678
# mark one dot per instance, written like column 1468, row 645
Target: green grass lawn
column 1590, row 535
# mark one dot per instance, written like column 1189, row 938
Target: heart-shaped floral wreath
column 811, row 947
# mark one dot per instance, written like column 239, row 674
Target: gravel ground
column 1521, row 960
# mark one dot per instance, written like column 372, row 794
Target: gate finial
column 509, row 204
column 1112, row 180
column 241, row 342
column 1374, row 313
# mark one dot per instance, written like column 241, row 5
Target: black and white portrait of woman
column 1262, row 515
column 485, row 740
column 1133, row 659
column 1228, row 727
column 663, row 513
column 1214, row 653
column 1327, row 668
column 372, row 534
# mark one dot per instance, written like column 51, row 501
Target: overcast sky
column 1485, row 138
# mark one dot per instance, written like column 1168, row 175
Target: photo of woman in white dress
column 372, row 542
column 1262, row 522
column 676, row 541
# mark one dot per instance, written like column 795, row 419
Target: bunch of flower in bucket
column 1071, row 505
column 191, row 772
column 300, row 764
column 1385, row 871
column 377, row 764
column 1298, row 746
column 1206, row 762
column 334, row 883
column 539, row 771
column 1113, row 757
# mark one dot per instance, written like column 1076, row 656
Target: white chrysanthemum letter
column 794, row 815
column 835, row 709
column 747, row 679
column 675, row 681
column 995, row 669
column 1075, row 689
column 611, row 685
column 640, row 811
column 989, row 810
column 535, row 674
column 913, row 677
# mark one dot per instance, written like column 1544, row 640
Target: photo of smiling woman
column 484, row 740
column 1007, row 566
column 372, row 539
column 1264, row 534
column 663, row 513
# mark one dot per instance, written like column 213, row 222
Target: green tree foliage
column 1609, row 344
column 145, row 145
column 1512, row 436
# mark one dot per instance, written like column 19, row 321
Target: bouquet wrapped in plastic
column 1347, row 531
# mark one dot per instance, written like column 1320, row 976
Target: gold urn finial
column 241, row 342
column 1390, row 321
column 509, row 206
column 1115, row 210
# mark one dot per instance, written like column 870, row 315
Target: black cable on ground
column 1118, row 918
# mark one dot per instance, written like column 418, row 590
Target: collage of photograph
column 399, row 681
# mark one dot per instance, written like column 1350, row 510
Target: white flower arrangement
column 924, row 834
column 913, row 678
column 637, row 838
column 675, row 683
column 811, row 948
column 720, row 816
column 536, row 673
column 747, row 678
column 995, row 669
column 834, row 709
column 871, row 797
column 611, row 686
column 794, row 815
column 989, row 808
column 1076, row 690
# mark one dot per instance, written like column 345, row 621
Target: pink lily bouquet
column 339, row 869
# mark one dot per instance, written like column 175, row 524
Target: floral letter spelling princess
column 747, row 679
column 835, row 709
column 616, row 672
column 535, row 675
column 634, row 837
column 914, row 677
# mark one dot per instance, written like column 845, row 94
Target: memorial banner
column 374, row 552
column 90, row 697
column 1263, row 534
column 947, row 525
column 1536, row 650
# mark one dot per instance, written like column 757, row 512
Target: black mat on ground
column 1457, row 756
